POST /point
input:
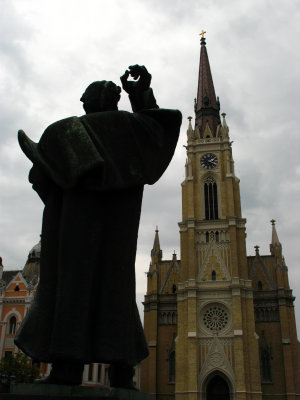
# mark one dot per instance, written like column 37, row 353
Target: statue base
column 28, row 391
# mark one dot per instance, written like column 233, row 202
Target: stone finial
column 224, row 124
column 256, row 249
column 190, row 132
column 275, row 239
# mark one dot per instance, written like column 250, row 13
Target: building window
column 12, row 326
column 211, row 199
column 260, row 285
column 265, row 363
column 215, row 318
column 265, row 355
column 17, row 288
column 172, row 367
column 213, row 276
column 174, row 288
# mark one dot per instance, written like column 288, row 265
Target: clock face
column 209, row 161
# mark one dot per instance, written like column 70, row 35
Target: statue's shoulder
column 106, row 115
column 68, row 122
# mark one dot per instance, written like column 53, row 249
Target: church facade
column 219, row 324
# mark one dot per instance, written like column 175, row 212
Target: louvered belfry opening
column 211, row 200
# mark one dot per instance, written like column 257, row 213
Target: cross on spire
column 202, row 33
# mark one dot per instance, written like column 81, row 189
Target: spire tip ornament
column 202, row 40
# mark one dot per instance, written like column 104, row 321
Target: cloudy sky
column 51, row 50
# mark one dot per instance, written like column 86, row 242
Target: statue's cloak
column 90, row 172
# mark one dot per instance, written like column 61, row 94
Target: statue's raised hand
column 142, row 77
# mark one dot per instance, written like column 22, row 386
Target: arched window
column 260, row 285
column 265, row 355
column 213, row 276
column 12, row 326
column 207, row 237
column 172, row 367
column 174, row 288
column 265, row 361
column 211, row 198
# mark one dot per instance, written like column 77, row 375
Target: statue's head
column 101, row 96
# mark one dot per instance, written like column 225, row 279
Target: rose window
column 215, row 318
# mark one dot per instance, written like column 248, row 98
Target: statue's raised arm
column 140, row 94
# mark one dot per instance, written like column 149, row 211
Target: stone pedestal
column 23, row 391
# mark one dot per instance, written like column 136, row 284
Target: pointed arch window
column 211, row 198
column 213, row 276
column 12, row 326
column 172, row 367
column 265, row 353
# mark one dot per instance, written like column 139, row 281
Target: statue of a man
column 90, row 173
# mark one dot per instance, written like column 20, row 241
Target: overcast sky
column 51, row 50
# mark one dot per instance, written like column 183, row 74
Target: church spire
column 275, row 240
column 207, row 105
column 156, row 250
column 275, row 246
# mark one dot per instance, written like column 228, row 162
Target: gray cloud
column 51, row 51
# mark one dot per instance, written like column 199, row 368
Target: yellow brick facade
column 235, row 333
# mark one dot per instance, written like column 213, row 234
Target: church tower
column 219, row 324
column 216, row 346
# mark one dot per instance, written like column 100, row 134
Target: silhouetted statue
column 90, row 172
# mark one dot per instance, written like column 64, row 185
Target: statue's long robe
column 90, row 172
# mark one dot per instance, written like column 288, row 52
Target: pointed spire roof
column 207, row 106
column 156, row 244
column 275, row 246
column 156, row 250
column 275, row 240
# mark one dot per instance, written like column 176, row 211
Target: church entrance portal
column 217, row 389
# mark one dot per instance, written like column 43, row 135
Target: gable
column 259, row 274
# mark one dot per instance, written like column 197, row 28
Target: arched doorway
column 217, row 389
